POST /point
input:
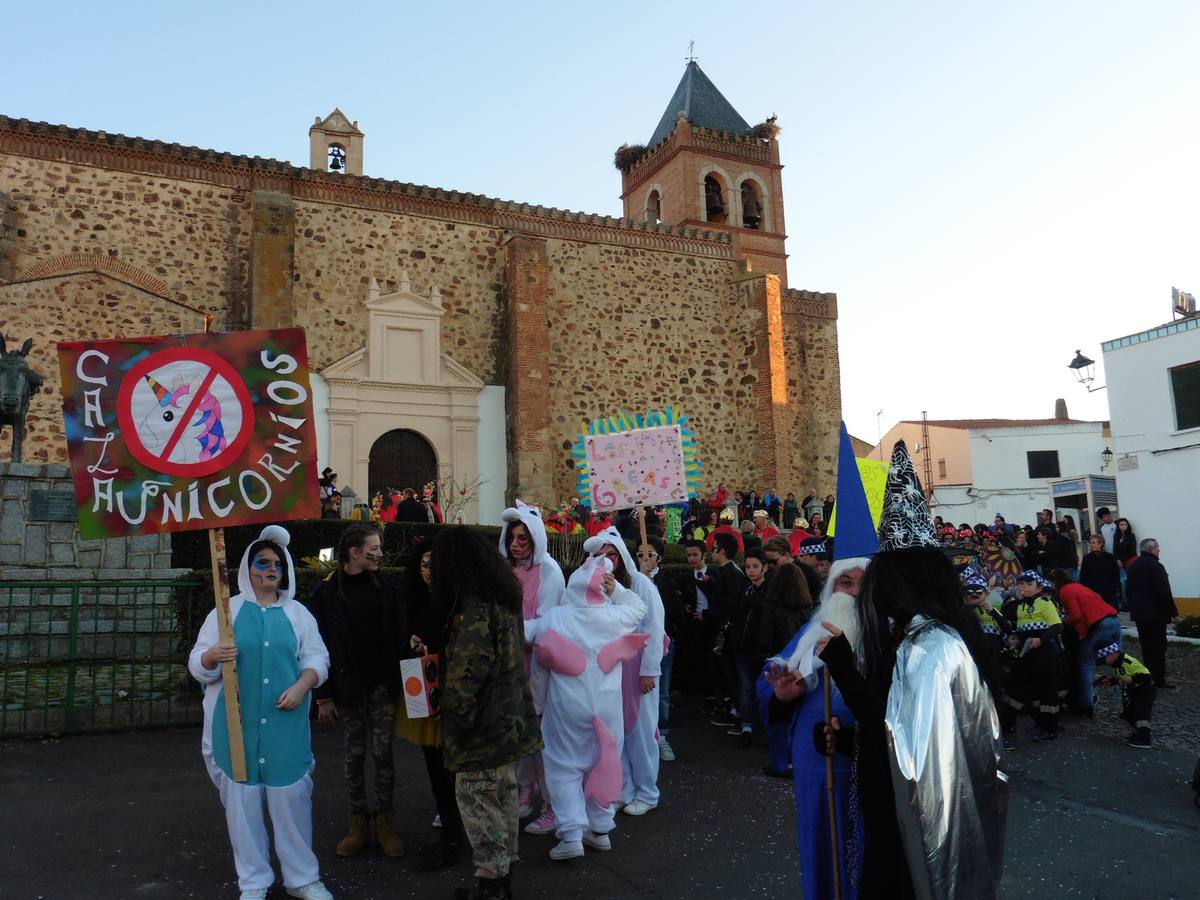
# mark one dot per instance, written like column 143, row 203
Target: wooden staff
column 229, row 679
column 833, row 827
column 641, row 517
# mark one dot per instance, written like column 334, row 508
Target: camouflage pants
column 487, row 800
column 372, row 721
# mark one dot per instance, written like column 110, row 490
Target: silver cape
column 944, row 745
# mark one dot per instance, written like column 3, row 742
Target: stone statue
column 18, row 383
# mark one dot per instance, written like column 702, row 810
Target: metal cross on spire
column 691, row 57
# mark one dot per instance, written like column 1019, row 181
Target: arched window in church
column 337, row 158
column 654, row 208
column 752, row 206
column 714, row 200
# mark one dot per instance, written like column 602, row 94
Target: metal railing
column 96, row 655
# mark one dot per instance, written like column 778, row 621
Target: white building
column 1154, row 400
column 978, row 468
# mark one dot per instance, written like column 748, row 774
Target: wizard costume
column 276, row 643
column 790, row 725
column 929, row 741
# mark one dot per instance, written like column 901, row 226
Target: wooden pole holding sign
column 229, row 679
column 641, row 517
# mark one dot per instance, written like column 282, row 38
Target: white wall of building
column 320, row 402
column 1158, row 466
column 1000, row 467
column 493, row 454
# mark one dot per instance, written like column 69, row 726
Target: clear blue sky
column 986, row 187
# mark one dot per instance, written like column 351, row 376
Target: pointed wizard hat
column 906, row 521
column 855, row 536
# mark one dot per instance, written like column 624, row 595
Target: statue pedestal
column 39, row 536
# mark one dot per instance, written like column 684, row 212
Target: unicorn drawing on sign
column 203, row 437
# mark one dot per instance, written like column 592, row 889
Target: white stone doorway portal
column 401, row 383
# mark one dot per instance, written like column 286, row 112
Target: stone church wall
column 630, row 316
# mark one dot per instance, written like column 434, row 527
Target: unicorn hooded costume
column 639, row 758
column 276, row 644
column 542, row 586
column 582, row 643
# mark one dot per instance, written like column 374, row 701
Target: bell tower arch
column 335, row 145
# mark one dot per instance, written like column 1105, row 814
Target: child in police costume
column 280, row 658
column 1137, row 692
column 1036, row 676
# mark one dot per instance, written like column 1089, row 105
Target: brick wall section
column 339, row 248
column 8, row 238
column 272, row 246
column 814, row 387
column 82, row 306
column 53, row 551
column 527, row 398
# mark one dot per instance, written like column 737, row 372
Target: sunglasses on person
column 976, row 592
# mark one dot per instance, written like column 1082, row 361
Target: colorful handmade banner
column 874, row 479
column 626, row 461
column 189, row 432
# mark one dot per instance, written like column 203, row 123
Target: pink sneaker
column 543, row 824
column 525, row 801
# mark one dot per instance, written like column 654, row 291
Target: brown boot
column 357, row 838
column 389, row 842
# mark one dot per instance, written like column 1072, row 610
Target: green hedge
column 1188, row 626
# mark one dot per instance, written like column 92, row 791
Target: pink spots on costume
column 595, row 587
column 624, row 647
column 559, row 654
column 603, row 783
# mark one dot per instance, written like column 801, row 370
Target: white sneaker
column 618, row 806
column 638, row 808
column 437, row 821
column 312, row 891
column 567, row 850
column 597, row 841
column 254, row 894
column 665, row 751
column 543, row 824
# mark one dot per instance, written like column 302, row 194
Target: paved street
column 134, row 815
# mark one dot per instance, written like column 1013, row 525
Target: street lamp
column 1106, row 459
column 1084, row 370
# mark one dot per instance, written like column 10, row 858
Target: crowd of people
column 553, row 695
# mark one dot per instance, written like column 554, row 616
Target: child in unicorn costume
column 542, row 586
column 639, row 686
column 582, row 644
column 280, row 658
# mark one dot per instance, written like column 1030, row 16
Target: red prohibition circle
column 217, row 366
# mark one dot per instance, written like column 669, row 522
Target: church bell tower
column 335, row 145
column 705, row 167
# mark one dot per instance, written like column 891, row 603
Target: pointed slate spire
column 906, row 520
column 855, row 534
column 701, row 104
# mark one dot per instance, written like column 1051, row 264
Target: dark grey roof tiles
column 699, row 100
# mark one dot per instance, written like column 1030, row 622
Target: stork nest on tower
column 628, row 156
column 766, row 131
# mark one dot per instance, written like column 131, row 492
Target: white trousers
column 639, row 758
column 290, row 809
column 570, row 755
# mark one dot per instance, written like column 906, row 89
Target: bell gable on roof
column 701, row 104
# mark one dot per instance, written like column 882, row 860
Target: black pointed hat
column 906, row 520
